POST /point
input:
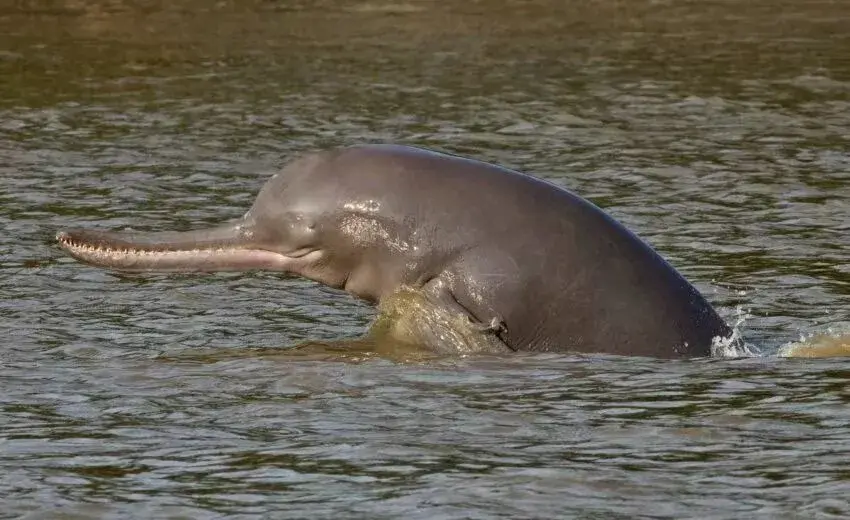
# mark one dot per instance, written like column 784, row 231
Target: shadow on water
column 357, row 350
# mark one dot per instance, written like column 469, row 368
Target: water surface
column 718, row 131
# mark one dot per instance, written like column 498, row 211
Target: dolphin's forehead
column 301, row 182
column 274, row 192
column 352, row 185
column 321, row 185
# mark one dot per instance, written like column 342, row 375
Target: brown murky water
column 718, row 130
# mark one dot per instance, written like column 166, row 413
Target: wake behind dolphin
column 505, row 260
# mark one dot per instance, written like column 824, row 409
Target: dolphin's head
column 279, row 233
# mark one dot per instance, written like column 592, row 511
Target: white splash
column 734, row 345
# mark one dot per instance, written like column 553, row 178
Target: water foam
column 734, row 345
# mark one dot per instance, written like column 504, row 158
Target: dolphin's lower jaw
column 199, row 251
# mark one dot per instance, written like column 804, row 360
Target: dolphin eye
column 302, row 220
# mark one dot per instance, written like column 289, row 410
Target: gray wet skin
column 532, row 263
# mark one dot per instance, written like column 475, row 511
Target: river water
column 718, row 130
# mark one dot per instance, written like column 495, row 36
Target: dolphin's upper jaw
column 183, row 252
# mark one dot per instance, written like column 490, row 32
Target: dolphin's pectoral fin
column 496, row 326
column 432, row 320
column 441, row 295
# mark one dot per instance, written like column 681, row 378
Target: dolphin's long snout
column 229, row 247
